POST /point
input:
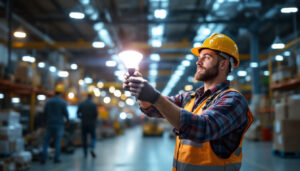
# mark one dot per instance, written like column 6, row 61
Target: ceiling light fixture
column 279, row 58
column 277, row 44
column 287, row 10
column 20, row 34
column 160, row 13
column 41, row 64
column 98, row 44
column 77, row 15
column 29, row 59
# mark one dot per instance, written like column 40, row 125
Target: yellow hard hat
column 90, row 93
column 221, row 43
column 60, row 88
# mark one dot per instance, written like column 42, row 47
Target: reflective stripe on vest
column 190, row 167
column 191, row 155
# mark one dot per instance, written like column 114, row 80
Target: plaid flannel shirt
column 222, row 123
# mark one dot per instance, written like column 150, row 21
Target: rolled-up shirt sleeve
column 228, row 112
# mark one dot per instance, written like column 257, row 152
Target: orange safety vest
column 193, row 156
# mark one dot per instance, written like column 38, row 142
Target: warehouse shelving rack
column 12, row 88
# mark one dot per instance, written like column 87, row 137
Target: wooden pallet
column 285, row 154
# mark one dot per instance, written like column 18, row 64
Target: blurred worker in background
column 210, row 122
column 55, row 111
column 87, row 112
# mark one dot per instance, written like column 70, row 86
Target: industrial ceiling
column 129, row 24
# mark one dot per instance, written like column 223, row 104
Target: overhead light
column 279, row 58
column 188, row 87
column 220, row 1
column 186, row 63
column 15, row 100
column 27, row 58
column 157, row 30
column 111, row 63
column 242, row 73
column 248, row 78
column 100, row 84
column 103, row 93
column 287, row 53
column 156, row 43
column 98, row 44
column 97, row 92
column 121, row 104
column 230, row 77
column 129, row 102
column 160, row 13
column 289, row 10
column 1, row 96
column 52, row 69
column 94, row 16
column 106, row 100
column 41, row 64
column 85, row 2
column 197, row 44
column 155, row 57
column 71, row 95
column 63, row 74
column 253, row 64
column 127, row 93
column 41, row 97
column 104, row 34
column 153, row 72
column 76, row 15
column 74, row 66
column 20, row 34
column 206, row 31
column 117, row 93
column 80, row 82
column 88, row 80
column 189, row 57
column 266, row 73
column 277, row 44
column 111, row 89
column 98, row 26
column 123, row 115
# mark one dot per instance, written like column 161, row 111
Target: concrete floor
column 132, row 152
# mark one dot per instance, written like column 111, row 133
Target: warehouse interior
column 77, row 44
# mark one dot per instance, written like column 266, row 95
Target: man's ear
column 224, row 65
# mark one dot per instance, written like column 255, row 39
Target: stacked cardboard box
column 10, row 133
column 287, row 124
column 12, row 142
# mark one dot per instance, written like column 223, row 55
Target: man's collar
column 225, row 84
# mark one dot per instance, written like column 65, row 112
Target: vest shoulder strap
column 212, row 98
column 187, row 99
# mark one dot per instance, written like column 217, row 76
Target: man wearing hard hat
column 88, row 113
column 55, row 111
column 210, row 122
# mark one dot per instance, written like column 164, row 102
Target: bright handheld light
column 131, row 60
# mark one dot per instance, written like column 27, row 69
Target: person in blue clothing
column 55, row 111
column 87, row 112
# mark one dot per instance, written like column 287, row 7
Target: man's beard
column 208, row 74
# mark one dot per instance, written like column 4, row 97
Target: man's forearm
column 169, row 110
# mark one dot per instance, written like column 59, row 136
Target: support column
column 255, row 76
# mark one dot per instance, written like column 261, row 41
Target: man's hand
column 140, row 88
column 127, row 76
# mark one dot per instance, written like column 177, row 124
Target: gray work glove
column 140, row 88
